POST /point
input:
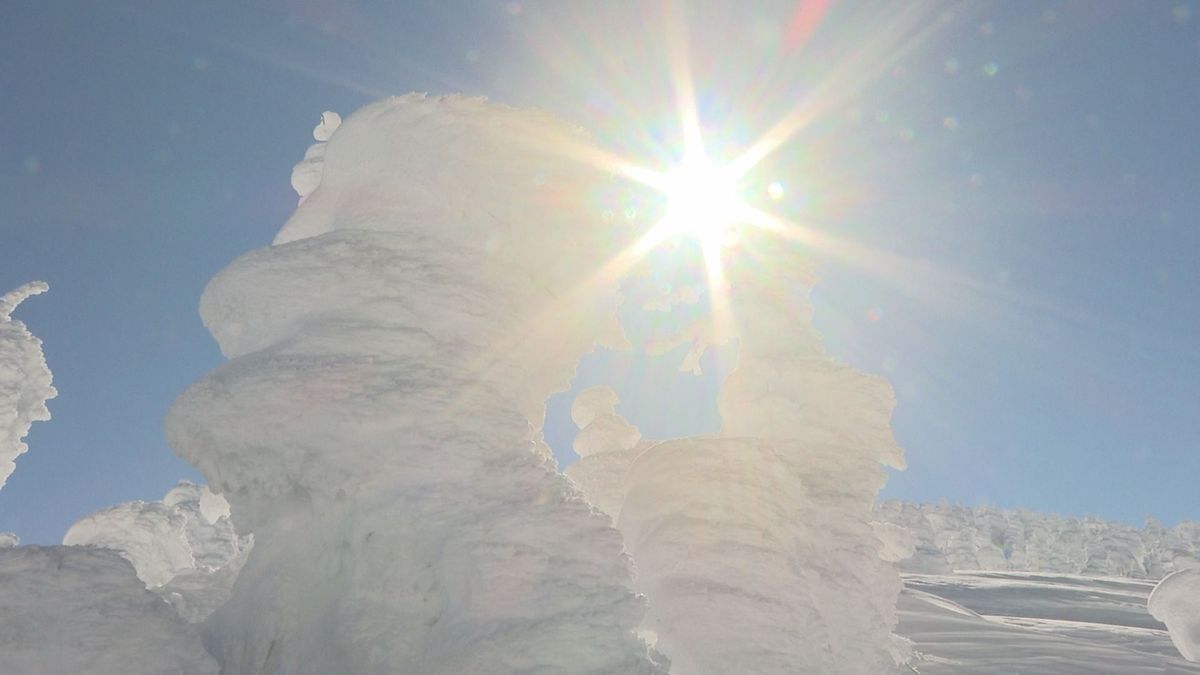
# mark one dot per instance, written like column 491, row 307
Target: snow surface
column 24, row 379
column 68, row 610
column 377, row 425
column 1021, row 622
column 1176, row 602
column 982, row 538
column 184, row 547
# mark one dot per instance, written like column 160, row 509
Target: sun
column 703, row 202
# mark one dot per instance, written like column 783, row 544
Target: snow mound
column 67, row 610
column 1176, row 602
column 188, row 536
column 24, row 379
column 378, row 425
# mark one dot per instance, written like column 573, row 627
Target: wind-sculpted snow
column 66, row 610
column 377, row 426
column 184, row 548
column 983, row 538
column 24, row 379
column 1176, row 602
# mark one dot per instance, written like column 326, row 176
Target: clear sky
column 1017, row 185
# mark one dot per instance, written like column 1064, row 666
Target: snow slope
column 68, row 610
column 24, row 379
column 377, row 425
column 1019, row 622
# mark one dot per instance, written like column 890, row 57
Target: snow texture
column 184, row 547
column 1176, row 602
column 24, row 379
column 68, row 610
column 1022, row 622
column 950, row 538
column 377, row 427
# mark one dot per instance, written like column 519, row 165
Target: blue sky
column 1025, row 172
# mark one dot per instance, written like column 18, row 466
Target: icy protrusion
column 210, row 505
column 306, row 176
column 171, row 539
column 376, row 427
column 329, row 123
column 1176, row 602
column 601, row 428
column 9, row 540
column 67, row 609
column 24, row 379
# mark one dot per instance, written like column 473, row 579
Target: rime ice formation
column 982, row 538
column 24, row 379
column 712, row 526
column 67, row 609
column 377, row 425
column 828, row 430
column 1176, row 602
column 306, row 175
column 184, row 548
column 708, row 522
column 756, row 549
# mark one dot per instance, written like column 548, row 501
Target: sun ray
column 901, row 31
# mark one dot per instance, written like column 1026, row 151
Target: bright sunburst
column 703, row 202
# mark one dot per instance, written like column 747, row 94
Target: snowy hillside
column 949, row 538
